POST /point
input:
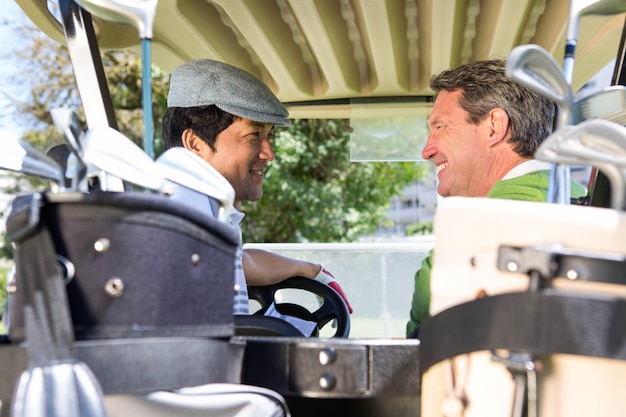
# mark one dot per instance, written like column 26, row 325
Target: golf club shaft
column 560, row 174
column 568, row 60
column 146, row 84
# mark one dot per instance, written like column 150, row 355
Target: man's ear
column 193, row 143
column 498, row 125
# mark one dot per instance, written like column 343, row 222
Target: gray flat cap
column 204, row 82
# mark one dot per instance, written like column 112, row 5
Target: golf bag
column 528, row 315
column 129, row 296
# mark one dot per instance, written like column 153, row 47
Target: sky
column 9, row 11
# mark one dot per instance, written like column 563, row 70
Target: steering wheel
column 332, row 308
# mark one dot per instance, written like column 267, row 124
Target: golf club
column 595, row 142
column 579, row 8
column 533, row 67
column 113, row 153
column 139, row 14
column 66, row 121
column 189, row 170
column 22, row 157
column 607, row 104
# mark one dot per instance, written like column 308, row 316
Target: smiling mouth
column 259, row 172
column 442, row 167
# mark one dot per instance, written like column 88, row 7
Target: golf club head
column 22, row 157
column 68, row 124
column 113, row 153
column 60, row 154
column 579, row 8
column 137, row 13
column 66, row 121
column 596, row 142
column 533, row 67
column 187, row 169
column 77, row 390
column 607, row 104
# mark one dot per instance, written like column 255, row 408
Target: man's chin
column 443, row 192
column 255, row 197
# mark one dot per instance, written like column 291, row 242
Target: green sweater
column 529, row 187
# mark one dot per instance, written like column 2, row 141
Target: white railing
column 377, row 276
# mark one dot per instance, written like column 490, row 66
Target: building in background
column 417, row 204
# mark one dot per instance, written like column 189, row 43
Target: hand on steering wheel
column 333, row 306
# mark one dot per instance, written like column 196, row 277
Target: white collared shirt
column 526, row 167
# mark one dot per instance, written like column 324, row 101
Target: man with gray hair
column 484, row 131
column 226, row 116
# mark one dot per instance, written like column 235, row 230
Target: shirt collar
column 526, row 167
column 236, row 217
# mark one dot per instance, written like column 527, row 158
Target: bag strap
column 139, row 366
column 544, row 322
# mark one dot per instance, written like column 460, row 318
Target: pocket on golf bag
column 135, row 264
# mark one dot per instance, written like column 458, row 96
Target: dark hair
column 205, row 121
column 485, row 86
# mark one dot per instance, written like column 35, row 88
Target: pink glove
column 327, row 278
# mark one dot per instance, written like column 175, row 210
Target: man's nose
column 267, row 153
column 429, row 150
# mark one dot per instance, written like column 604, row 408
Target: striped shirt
column 240, row 303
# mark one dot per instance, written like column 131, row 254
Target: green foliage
column 4, row 270
column 5, row 266
column 422, row 228
column 6, row 250
column 314, row 193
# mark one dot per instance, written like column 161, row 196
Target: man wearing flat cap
column 226, row 116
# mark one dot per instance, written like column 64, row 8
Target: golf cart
column 323, row 59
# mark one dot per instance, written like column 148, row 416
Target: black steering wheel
column 332, row 305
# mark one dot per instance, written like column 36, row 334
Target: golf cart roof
column 313, row 53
